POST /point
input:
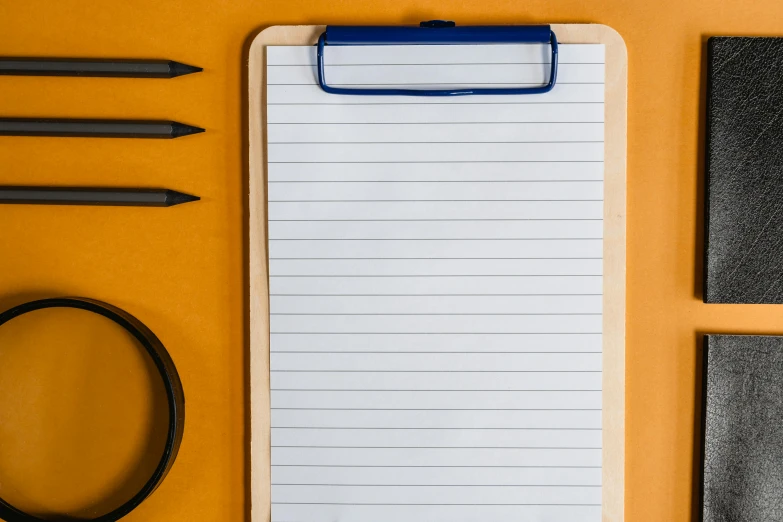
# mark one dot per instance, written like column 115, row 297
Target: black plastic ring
column 171, row 381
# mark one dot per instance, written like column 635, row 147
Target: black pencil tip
column 181, row 69
column 180, row 129
column 177, row 198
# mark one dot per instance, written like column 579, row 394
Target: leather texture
column 743, row 436
column 744, row 171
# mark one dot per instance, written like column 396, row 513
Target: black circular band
column 171, row 381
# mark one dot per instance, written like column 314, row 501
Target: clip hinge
column 438, row 23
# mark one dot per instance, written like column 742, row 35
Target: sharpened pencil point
column 180, row 129
column 177, row 198
column 181, row 69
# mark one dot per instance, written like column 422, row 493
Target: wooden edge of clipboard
column 615, row 153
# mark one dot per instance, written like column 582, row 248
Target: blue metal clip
column 436, row 32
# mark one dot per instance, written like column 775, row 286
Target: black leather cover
column 743, row 440
column 744, row 171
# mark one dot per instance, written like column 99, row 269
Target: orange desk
column 182, row 270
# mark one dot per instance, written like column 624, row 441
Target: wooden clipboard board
column 613, row 455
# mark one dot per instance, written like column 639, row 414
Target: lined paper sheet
column 436, row 287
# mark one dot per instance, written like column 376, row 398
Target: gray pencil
column 95, row 128
column 20, row 66
column 128, row 197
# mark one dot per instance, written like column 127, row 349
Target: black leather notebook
column 744, row 171
column 743, row 439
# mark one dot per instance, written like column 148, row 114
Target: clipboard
column 613, row 385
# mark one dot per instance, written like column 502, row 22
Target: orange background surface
column 182, row 270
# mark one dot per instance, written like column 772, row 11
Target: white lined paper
column 313, row 95
column 437, row 133
column 434, row 380
column 435, row 286
column 417, row 267
column 437, row 342
column 435, row 114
